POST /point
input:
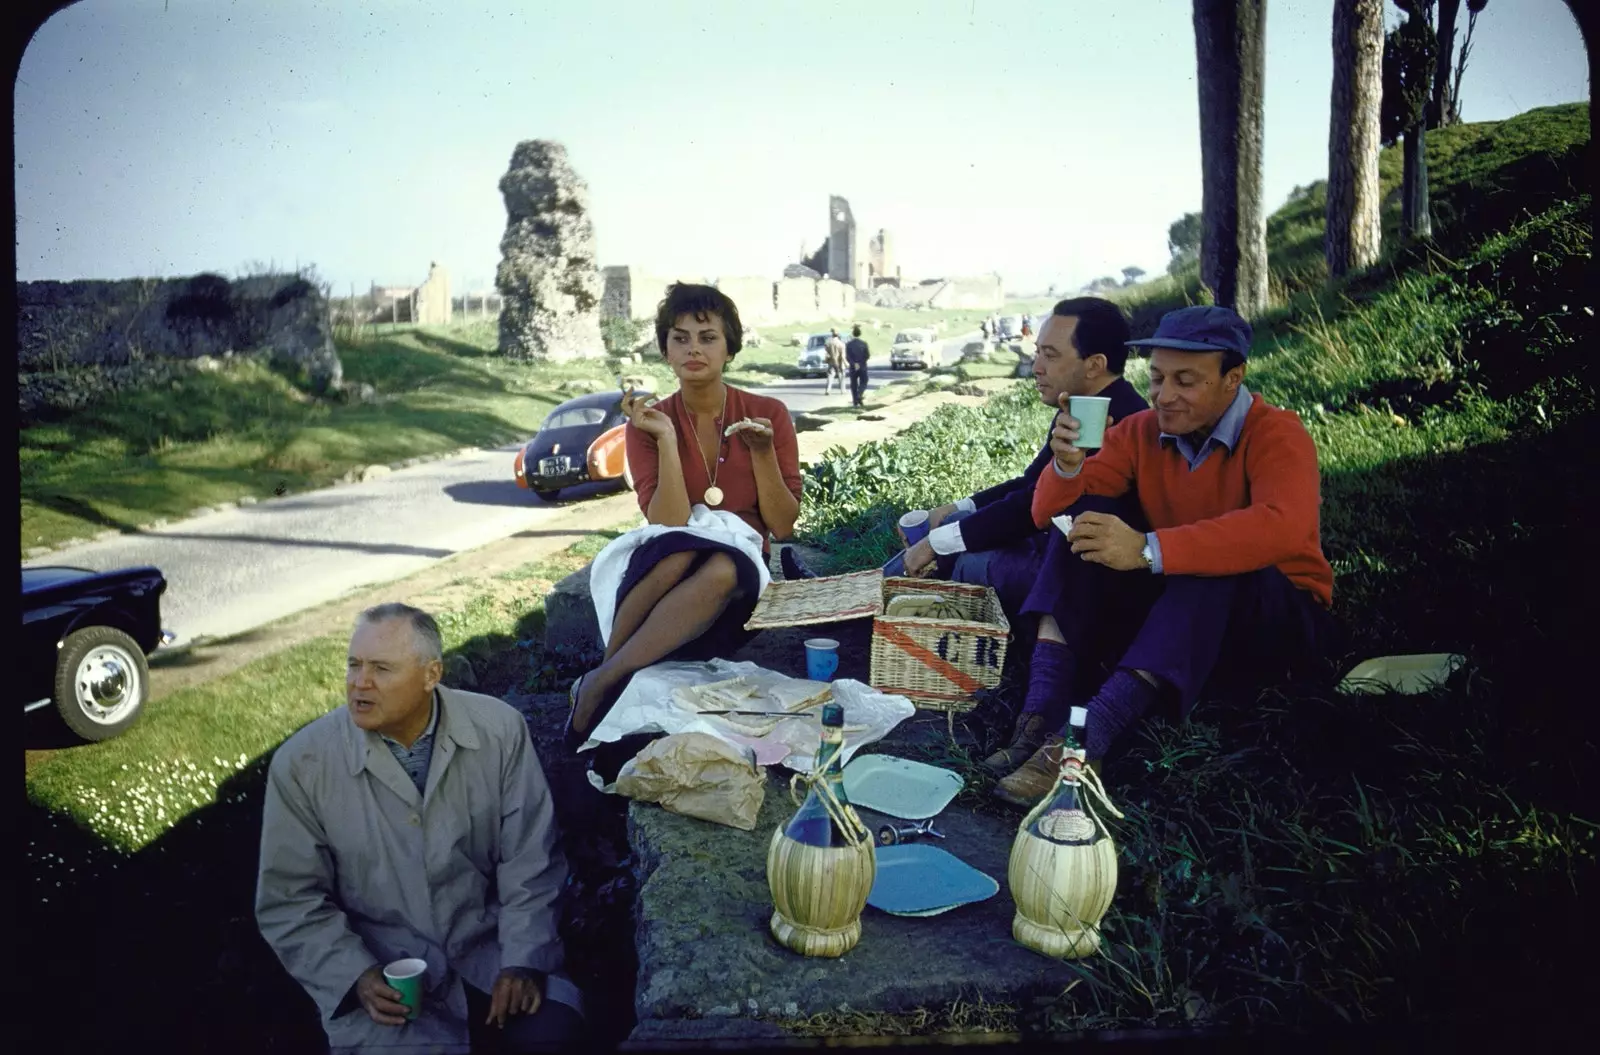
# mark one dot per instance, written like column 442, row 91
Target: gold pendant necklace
column 713, row 493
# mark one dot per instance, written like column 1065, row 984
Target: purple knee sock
column 1121, row 701
column 1050, row 674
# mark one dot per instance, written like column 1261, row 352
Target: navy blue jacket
column 1005, row 511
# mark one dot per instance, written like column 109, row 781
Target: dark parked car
column 580, row 442
column 85, row 636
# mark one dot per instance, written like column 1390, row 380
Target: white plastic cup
column 1091, row 412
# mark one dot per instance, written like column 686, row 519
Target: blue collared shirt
column 415, row 759
column 1225, row 434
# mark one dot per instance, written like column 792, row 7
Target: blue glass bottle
column 812, row 824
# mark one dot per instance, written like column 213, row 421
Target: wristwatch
column 1149, row 557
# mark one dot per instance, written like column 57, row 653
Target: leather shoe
column 789, row 560
column 1030, row 733
column 1034, row 778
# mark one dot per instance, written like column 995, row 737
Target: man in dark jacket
column 990, row 539
column 855, row 354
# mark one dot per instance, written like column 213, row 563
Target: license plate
column 554, row 466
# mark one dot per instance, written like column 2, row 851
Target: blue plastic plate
column 899, row 786
column 915, row 879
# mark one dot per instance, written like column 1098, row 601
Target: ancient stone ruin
column 79, row 342
column 547, row 272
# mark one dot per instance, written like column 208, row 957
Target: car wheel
column 102, row 682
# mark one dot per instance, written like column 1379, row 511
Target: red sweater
column 1254, row 508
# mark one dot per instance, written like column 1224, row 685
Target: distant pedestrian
column 1027, row 325
column 855, row 354
column 984, row 328
column 833, row 349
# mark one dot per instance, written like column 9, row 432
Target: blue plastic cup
column 914, row 525
column 822, row 658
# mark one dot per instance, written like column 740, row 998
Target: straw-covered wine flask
column 1063, row 870
column 821, row 865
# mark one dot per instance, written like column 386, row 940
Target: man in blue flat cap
column 1224, row 569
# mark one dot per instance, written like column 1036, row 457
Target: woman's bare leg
column 683, row 614
column 644, row 596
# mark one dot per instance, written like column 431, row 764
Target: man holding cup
column 409, row 876
column 990, row 539
column 1224, row 571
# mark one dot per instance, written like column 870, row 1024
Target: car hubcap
column 107, row 685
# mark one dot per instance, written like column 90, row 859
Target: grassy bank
column 1298, row 857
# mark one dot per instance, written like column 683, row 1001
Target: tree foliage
column 1410, row 51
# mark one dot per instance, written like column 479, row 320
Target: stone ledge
column 704, row 906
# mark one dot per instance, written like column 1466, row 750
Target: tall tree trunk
column 1230, row 49
column 1440, row 112
column 1354, row 213
column 1415, row 220
column 1588, row 19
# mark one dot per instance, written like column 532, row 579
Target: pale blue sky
column 1049, row 140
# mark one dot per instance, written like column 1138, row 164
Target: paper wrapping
column 697, row 775
column 647, row 705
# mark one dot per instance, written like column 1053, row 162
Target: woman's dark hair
column 684, row 298
column 1102, row 330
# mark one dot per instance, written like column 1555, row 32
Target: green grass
column 1296, row 857
column 1481, row 177
column 130, row 790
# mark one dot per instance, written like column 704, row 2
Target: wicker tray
column 940, row 664
column 827, row 599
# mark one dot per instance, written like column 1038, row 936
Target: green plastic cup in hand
column 1091, row 412
column 405, row 976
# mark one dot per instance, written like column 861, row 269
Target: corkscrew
column 889, row 835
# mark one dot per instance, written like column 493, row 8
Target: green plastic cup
column 406, row 976
column 1091, row 412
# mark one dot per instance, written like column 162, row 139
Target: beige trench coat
column 359, row 869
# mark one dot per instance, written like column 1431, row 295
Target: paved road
column 238, row 569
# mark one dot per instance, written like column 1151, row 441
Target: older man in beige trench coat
column 416, row 822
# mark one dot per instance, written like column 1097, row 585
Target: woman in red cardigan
column 686, row 595
column 1224, row 569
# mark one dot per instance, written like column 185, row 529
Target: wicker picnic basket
column 940, row 663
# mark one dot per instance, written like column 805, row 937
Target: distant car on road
column 580, row 442
column 85, row 636
column 813, row 360
column 913, row 349
column 1010, row 326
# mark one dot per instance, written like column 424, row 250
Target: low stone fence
column 77, row 341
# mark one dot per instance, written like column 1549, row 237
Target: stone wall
column 796, row 298
column 977, row 291
column 77, row 340
column 754, row 298
column 632, row 293
column 432, row 298
column 835, row 300
column 761, row 301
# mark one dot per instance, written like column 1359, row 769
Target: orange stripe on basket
column 895, row 636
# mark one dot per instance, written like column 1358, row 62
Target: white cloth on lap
column 717, row 525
